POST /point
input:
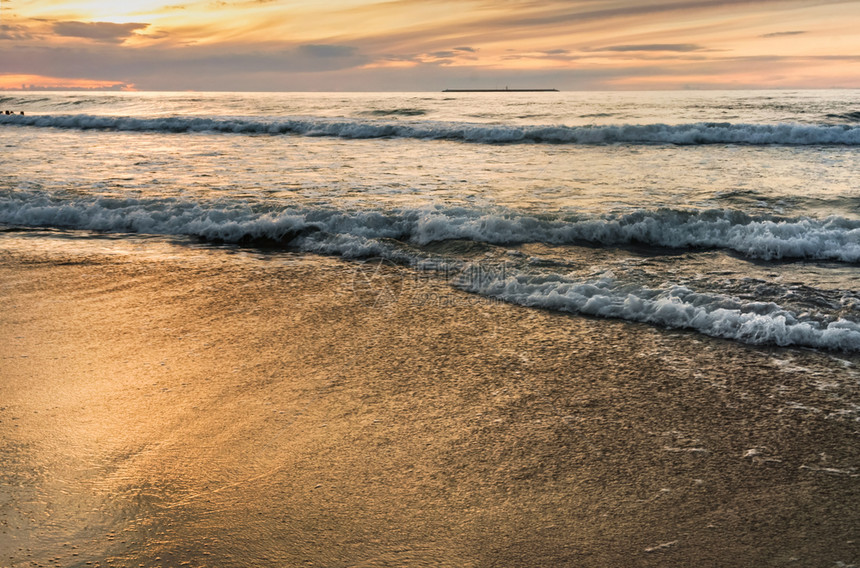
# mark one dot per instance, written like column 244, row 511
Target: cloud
column 442, row 57
column 105, row 32
column 563, row 23
column 71, row 87
column 205, row 68
column 681, row 47
column 555, row 55
column 555, row 13
column 14, row 32
column 410, row 44
column 326, row 50
column 781, row 34
column 195, row 67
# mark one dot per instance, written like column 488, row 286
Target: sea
column 734, row 214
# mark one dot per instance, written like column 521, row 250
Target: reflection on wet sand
column 194, row 407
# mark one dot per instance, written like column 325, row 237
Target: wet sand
column 165, row 406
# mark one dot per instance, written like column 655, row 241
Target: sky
column 428, row 45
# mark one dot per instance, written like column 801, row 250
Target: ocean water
column 733, row 214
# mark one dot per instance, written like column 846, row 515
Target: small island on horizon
column 505, row 90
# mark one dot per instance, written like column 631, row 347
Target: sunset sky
column 417, row 45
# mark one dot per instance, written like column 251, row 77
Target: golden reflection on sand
column 199, row 407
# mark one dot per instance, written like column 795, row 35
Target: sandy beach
column 178, row 406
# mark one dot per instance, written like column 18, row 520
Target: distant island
column 505, row 90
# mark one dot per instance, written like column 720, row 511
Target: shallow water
column 747, row 199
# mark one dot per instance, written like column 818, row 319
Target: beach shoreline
column 164, row 404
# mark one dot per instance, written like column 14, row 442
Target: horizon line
column 426, row 91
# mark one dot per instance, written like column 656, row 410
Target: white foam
column 368, row 233
column 833, row 238
column 685, row 134
column 674, row 307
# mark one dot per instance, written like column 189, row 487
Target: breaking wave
column 833, row 238
column 681, row 134
column 357, row 234
column 717, row 315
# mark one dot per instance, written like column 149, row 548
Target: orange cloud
column 107, row 32
column 42, row 83
column 417, row 44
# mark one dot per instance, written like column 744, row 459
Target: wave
column 833, row 238
column 396, row 112
column 404, row 235
column 852, row 116
column 681, row 134
column 757, row 323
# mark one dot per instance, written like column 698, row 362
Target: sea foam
column 717, row 315
column 681, row 134
column 833, row 238
column 356, row 234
